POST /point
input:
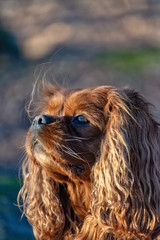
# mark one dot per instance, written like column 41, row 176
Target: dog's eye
column 80, row 120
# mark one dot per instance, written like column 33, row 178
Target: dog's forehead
column 78, row 95
column 85, row 100
column 71, row 102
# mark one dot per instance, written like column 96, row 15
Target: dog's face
column 65, row 138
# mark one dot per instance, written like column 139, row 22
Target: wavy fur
column 97, row 182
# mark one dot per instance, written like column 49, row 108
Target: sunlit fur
column 117, row 194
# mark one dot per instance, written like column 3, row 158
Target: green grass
column 129, row 59
column 10, row 181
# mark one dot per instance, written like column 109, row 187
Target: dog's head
column 65, row 137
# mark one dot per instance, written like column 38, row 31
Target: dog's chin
column 44, row 157
column 39, row 153
column 47, row 161
column 51, row 162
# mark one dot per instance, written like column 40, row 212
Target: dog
column 93, row 166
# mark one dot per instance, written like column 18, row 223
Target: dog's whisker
column 80, row 138
column 72, row 139
column 70, row 152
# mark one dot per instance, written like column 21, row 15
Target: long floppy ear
column 41, row 202
column 126, row 179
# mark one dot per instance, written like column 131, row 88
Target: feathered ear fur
column 126, row 179
column 41, row 202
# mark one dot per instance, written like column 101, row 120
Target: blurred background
column 74, row 44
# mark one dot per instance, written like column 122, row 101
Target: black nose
column 42, row 120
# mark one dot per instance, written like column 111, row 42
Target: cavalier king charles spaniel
column 92, row 170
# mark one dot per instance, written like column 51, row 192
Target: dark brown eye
column 80, row 120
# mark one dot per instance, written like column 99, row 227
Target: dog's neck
column 80, row 197
column 75, row 198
